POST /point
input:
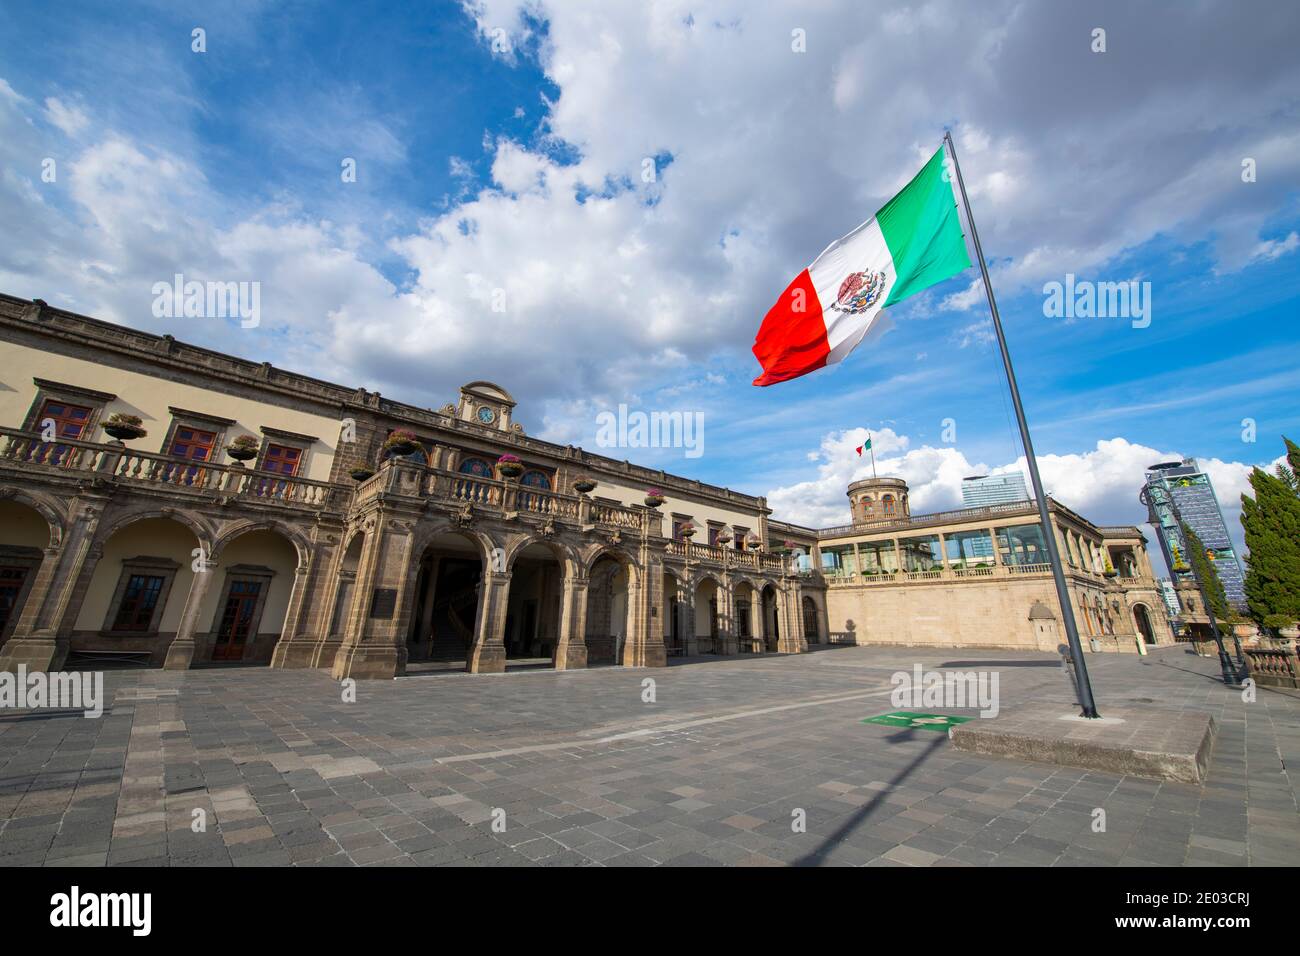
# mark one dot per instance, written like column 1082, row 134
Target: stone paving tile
column 423, row 771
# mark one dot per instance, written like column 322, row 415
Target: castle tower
column 879, row 501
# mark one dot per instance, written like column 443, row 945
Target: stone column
column 571, row 648
column 180, row 653
column 307, row 619
column 337, row 611
column 375, row 646
column 40, row 638
column 725, row 642
column 997, row 552
column 790, row 636
column 298, row 611
column 644, row 646
column 488, row 653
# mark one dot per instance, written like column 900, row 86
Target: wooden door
column 236, row 621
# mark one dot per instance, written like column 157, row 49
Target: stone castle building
column 326, row 549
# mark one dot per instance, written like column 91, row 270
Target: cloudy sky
column 596, row 203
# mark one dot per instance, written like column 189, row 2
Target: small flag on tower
column 864, row 447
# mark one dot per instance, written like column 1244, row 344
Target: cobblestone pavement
column 714, row 771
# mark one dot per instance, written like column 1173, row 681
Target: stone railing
column 843, row 578
column 127, row 467
column 1273, row 667
column 726, row 557
column 494, row 495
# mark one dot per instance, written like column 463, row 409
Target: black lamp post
column 1151, row 496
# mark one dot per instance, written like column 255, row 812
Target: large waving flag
column 912, row 243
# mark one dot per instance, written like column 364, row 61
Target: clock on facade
column 486, row 415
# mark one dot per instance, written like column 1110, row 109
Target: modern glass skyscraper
column 981, row 490
column 1192, row 492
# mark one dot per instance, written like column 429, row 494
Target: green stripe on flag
column 923, row 232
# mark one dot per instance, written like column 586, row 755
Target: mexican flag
column 912, row 243
column 865, row 446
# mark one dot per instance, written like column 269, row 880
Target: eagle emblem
column 859, row 291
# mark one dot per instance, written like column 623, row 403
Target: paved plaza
column 582, row 770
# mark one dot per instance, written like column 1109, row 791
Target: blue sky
column 500, row 148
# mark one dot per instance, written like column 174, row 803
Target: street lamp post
column 1162, row 496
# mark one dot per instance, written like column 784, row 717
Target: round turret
column 879, row 501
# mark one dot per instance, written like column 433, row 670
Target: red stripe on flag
column 791, row 343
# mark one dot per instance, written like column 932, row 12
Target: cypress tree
column 1205, row 572
column 1272, row 523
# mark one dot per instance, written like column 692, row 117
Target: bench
column 109, row 657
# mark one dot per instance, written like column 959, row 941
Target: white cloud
column 1270, row 249
column 70, row 119
column 773, row 154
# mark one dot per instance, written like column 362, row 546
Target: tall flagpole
column 1082, row 683
column 871, row 447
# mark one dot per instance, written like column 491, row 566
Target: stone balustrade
column 114, row 462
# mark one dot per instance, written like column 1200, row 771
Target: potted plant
column 400, row 443
column 687, row 530
column 361, row 473
column 724, row 537
column 124, row 427
column 243, row 448
column 752, row 541
column 584, row 485
column 1287, row 629
column 509, row 466
column 654, row 497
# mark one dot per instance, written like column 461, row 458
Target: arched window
column 867, row 508
column 533, row 479
column 887, row 505
column 476, row 467
column 536, row 479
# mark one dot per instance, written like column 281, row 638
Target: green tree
column 1271, row 520
column 1208, row 576
column 1289, row 470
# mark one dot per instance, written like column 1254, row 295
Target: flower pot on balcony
column 361, row 474
column 243, row 448
column 1111, row 573
column 508, row 466
column 400, row 443
column 124, row 427
column 654, row 498
column 584, row 486
column 687, row 532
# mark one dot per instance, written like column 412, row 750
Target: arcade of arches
column 368, row 597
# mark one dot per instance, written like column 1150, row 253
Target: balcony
column 692, row 553
column 127, row 468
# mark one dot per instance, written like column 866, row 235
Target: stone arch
column 563, row 553
column 1143, row 621
column 588, row 561
column 248, row 605
column 769, row 603
column 811, row 620
column 295, row 536
column 433, row 624
column 707, row 594
column 197, row 523
column 426, row 531
column 137, row 580
column 47, row 507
